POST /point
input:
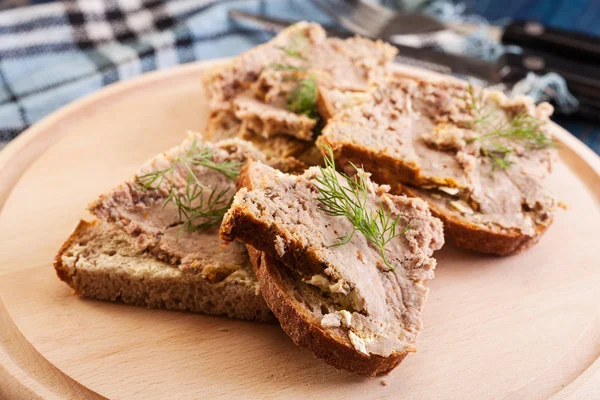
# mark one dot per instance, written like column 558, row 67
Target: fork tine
column 369, row 18
column 335, row 8
column 345, row 13
column 358, row 16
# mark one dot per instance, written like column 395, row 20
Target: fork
column 372, row 20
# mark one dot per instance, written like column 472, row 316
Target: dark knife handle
column 569, row 44
column 583, row 80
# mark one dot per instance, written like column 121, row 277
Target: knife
column 369, row 18
column 572, row 45
column 427, row 58
column 583, row 80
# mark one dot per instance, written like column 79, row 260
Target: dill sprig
column 351, row 201
column 293, row 51
column 303, row 97
column 287, row 67
column 296, row 47
column 523, row 128
column 192, row 204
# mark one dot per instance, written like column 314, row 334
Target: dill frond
column 297, row 46
column 351, row 201
column 292, row 51
column 191, row 203
column 287, row 67
column 195, row 212
column 523, row 128
column 303, row 99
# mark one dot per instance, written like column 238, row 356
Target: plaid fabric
column 54, row 53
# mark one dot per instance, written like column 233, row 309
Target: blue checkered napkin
column 54, row 53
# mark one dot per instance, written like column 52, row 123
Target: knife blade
column 369, row 18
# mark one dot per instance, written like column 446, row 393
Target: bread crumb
column 223, row 330
column 384, row 382
column 563, row 205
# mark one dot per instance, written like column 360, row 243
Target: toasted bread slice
column 455, row 147
column 341, row 302
column 102, row 262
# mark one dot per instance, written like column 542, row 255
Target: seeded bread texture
column 99, row 261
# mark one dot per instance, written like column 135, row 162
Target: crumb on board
column 384, row 382
column 223, row 330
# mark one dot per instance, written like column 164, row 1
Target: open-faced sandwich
column 477, row 157
column 325, row 173
column 279, row 94
column 156, row 242
column 340, row 261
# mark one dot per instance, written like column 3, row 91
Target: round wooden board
column 526, row 326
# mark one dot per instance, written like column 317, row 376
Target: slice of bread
column 428, row 139
column 249, row 96
column 340, row 302
column 102, row 262
column 148, row 217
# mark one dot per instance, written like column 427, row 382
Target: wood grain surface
column 521, row 327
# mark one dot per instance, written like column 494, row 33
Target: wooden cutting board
column 521, row 327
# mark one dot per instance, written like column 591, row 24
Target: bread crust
column 459, row 231
column 174, row 291
column 383, row 168
column 61, row 271
column 466, row 235
column 305, row 334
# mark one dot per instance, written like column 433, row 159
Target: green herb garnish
column 191, row 204
column 298, row 44
column 293, row 52
column 287, row 67
column 523, row 128
column 303, row 99
column 351, row 201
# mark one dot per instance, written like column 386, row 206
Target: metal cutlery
column 583, row 80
